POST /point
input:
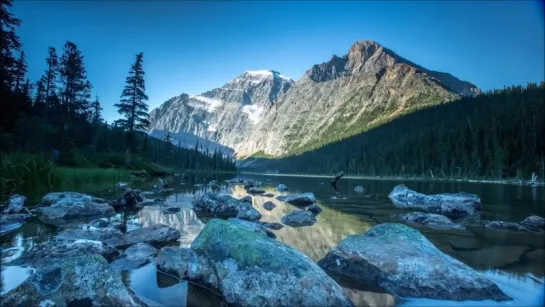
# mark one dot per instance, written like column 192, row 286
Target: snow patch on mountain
column 254, row 112
column 210, row 103
column 268, row 73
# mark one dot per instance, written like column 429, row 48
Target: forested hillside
column 58, row 113
column 498, row 134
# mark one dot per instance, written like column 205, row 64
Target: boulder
column 501, row 225
column 255, row 191
column 10, row 222
column 86, row 280
column 249, row 269
column 16, row 204
column 257, row 227
column 314, row 209
column 247, row 199
column 449, row 204
column 299, row 218
column 99, row 223
column 534, row 222
column 302, row 200
column 157, row 235
column 59, row 249
column 224, row 206
column 174, row 260
column 171, row 210
column 400, row 260
column 275, row 226
column 129, row 199
column 58, row 208
column 269, row 205
column 429, row 219
column 282, row 188
column 92, row 234
column 134, row 257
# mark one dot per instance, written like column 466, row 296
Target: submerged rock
column 501, row 225
column 299, row 218
column 225, row 206
column 429, row 219
column 57, row 208
column 16, row 204
column 302, row 200
column 257, row 227
column 10, row 222
column 314, row 209
column 269, row 205
column 86, row 280
column 59, row 249
column 400, row 260
column 452, row 205
column 157, row 235
column 268, row 195
column 282, row 188
column 534, row 222
column 250, row 269
column 134, row 257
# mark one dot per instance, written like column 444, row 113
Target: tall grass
column 34, row 175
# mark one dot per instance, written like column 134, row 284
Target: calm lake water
column 515, row 261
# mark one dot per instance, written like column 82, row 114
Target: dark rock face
column 134, row 257
column 58, row 208
column 429, row 219
column 257, row 227
column 501, row 225
column 269, row 205
column 250, row 269
column 129, row 199
column 157, row 235
column 299, row 218
column 98, row 234
column 302, row 200
column 75, row 281
column 314, row 209
column 402, row 261
column 282, row 188
column 225, row 206
column 534, row 222
column 16, row 204
column 58, row 249
column 451, row 205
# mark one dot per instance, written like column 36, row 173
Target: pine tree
column 75, row 89
column 96, row 111
column 19, row 73
column 132, row 104
column 9, row 42
column 51, row 73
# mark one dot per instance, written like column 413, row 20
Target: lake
column 514, row 261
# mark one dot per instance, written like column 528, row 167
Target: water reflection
column 514, row 260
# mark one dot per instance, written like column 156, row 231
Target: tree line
column 58, row 113
column 498, row 134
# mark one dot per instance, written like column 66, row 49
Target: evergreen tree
column 52, row 71
column 19, row 73
column 133, row 105
column 9, row 43
column 96, row 111
column 75, row 90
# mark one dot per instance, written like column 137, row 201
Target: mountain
column 188, row 140
column 267, row 113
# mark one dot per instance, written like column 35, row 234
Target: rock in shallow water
column 402, row 261
column 282, row 188
column 134, row 257
column 534, row 222
column 98, row 234
column 501, row 225
column 10, row 222
column 302, row 200
column 250, row 269
column 254, row 190
column 429, row 219
column 157, row 235
column 16, row 204
column 269, row 205
column 452, row 205
column 74, row 281
column 225, row 206
column 314, row 209
column 57, row 208
column 299, row 218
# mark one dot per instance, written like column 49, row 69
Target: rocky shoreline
column 237, row 256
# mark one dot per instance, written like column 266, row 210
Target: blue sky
column 191, row 47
